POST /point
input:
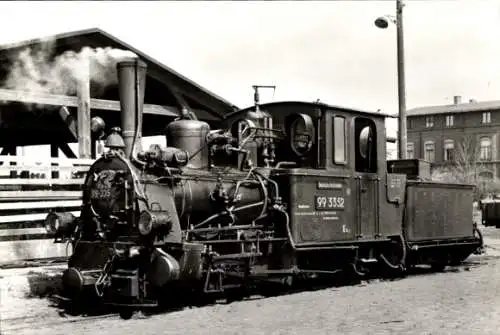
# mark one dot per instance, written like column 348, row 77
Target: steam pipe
column 139, row 100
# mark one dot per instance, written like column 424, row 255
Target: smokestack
column 457, row 99
column 131, row 87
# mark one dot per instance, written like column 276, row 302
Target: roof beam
column 7, row 95
column 181, row 102
column 212, row 105
column 70, row 122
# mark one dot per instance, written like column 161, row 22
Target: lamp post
column 383, row 23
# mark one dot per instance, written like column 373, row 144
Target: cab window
column 366, row 145
column 339, row 149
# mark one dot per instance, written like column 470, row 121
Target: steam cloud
column 35, row 70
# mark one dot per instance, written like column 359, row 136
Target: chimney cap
column 131, row 61
column 457, row 99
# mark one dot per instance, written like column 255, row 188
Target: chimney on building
column 457, row 99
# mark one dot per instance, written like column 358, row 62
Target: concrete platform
column 16, row 251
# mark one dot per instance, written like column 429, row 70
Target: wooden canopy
column 28, row 118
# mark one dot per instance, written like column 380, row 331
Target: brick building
column 436, row 133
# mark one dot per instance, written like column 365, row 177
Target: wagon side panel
column 437, row 211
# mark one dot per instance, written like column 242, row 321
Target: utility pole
column 383, row 23
column 402, row 137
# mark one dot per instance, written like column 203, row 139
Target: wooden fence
column 29, row 190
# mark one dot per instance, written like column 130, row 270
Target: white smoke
column 35, row 70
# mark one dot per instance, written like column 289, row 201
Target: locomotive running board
column 109, row 303
column 347, row 245
column 137, row 305
column 295, row 270
column 416, row 246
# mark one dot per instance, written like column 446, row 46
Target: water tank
column 190, row 135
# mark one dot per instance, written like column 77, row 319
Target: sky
column 327, row 50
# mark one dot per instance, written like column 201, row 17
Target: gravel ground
column 458, row 301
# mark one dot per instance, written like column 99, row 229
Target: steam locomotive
column 279, row 193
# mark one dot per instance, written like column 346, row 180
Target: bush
column 484, row 186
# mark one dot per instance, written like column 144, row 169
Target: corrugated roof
column 455, row 108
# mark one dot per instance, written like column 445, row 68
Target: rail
column 29, row 190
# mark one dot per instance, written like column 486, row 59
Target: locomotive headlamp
column 152, row 219
column 97, row 125
column 145, row 224
column 61, row 224
column 51, row 223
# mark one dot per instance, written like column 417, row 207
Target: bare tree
column 467, row 167
column 466, row 164
column 390, row 153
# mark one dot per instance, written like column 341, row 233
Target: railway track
column 34, row 263
column 36, row 322
column 55, row 316
column 47, row 315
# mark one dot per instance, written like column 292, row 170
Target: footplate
column 138, row 305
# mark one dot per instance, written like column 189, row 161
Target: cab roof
column 322, row 105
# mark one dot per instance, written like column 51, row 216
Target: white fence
column 28, row 192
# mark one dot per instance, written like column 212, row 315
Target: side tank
column 190, row 135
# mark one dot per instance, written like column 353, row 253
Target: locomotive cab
column 339, row 190
column 335, row 176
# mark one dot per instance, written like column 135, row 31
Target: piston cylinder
column 164, row 268
column 74, row 281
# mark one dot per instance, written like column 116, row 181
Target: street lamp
column 383, row 23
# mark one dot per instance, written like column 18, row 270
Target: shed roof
column 455, row 108
column 22, row 125
column 95, row 37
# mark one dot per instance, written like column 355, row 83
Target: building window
column 487, row 117
column 430, row 151
column 410, row 151
column 339, row 152
column 486, row 175
column 449, row 120
column 485, row 149
column 429, row 122
column 449, row 150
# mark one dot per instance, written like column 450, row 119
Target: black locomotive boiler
column 279, row 192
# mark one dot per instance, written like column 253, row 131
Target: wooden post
column 54, row 153
column 93, row 146
column 84, row 133
column 11, row 151
column 66, row 150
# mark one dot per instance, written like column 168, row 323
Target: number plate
column 100, row 193
column 325, row 203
